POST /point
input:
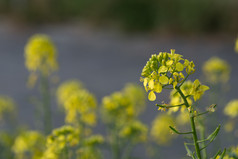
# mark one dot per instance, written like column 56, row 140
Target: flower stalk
column 193, row 126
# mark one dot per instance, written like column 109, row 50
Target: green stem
column 194, row 132
column 202, row 136
column 115, row 146
column 45, row 94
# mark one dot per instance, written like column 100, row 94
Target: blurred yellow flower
column 66, row 89
column 79, row 104
column 7, row 105
column 29, row 145
column 231, row 108
column 61, row 138
column 40, row 54
column 160, row 131
column 216, row 70
column 134, row 131
column 236, row 45
column 120, row 107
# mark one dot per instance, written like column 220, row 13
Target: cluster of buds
column 163, row 70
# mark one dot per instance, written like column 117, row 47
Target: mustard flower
column 134, row 131
column 163, row 70
column 88, row 152
column 61, row 138
column 198, row 90
column 7, row 105
column 216, row 70
column 66, row 89
column 79, row 104
column 231, row 108
column 123, row 105
column 29, row 144
column 160, row 131
column 40, row 54
column 236, row 45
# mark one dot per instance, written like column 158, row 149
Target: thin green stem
column 202, row 136
column 195, row 138
column 45, row 94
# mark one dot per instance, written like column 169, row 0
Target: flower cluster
column 232, row 153
column 29, row 144
column 160, row 130
column 236, row 45
column 122, row 106
column 231, row 108
column 40, row 54
column 60, row 141
column 89, row 148
column 78, row 103
column 163, row 70
column 134, row 131
column 216, row 70
column 7, row 105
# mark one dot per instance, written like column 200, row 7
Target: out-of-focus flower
column 160, row 131
column 135, row 131
column 163, row 70
column 216, row 70
column 182, row 118
column 231, row 153
column 62, row 138
column 7, row 105
column 78, row 103
column 40, row 54
column 123, row 106
column 236, row 45
column 231, row 108
column 29, row 145
column 229, row 126
column 66, row 89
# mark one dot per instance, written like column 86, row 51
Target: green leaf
column 223, row 154
column 213, row 135
column 214, row 157
column 189, row 152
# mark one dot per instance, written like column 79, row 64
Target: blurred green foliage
column 133, row 15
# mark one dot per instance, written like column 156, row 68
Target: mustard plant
column 120, row 112
column 171, row 71
column 40, row 59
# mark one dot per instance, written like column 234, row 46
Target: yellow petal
column 179, row 66
column 163, row 69
column 158, row 87
column 163, row 79
column 152, row 96
column 151, row 84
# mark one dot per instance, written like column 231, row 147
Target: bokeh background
column 106, row 43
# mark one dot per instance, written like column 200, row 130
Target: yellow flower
column 164, row 69
column 29, row 143
column 198, row 90
column 40, row 54
column 134, row 131
column 65, row 136
column 231, row 108
column 160, row 131
column 66, row 89
column 79, row 104
column 125, row 105
column 216, row 70
column 236, row 45
column 7, row 105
